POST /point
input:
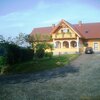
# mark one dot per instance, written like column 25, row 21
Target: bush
column 49, row 54
column 26, row 54
column 40, row 53
column 2, row 60
column 18, row 54
column 15, row 54
column 41, row 48
column 2, row 64
column 2, row 51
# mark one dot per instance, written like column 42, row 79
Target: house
column 68, row 38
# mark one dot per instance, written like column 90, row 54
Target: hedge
column 15, row 54
column 2, row 60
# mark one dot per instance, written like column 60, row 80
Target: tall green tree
column 2, row 40
column 20, row 40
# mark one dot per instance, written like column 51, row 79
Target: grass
column 42, row 64
column 82, row 85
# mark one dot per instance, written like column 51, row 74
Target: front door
column 96, row 46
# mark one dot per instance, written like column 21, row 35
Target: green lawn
column 42, row 64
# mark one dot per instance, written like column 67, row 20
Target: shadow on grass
column 39, row 76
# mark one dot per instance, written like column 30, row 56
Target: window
column 65, row 30
column 96, row 46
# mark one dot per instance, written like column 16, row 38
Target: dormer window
column 86, row 31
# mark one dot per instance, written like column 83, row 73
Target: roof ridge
column 88, row 23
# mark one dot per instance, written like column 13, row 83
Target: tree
column 41, row 50
column 37, row 38
column 2, row 40
column 30, row 40
column 20, row 40
column 39, row 44
column 48, row 46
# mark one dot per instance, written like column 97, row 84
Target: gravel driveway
column 71, row 82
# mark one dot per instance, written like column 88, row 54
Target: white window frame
column 94, row 46
column 65, row 30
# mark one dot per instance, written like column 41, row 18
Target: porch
column 66, row 46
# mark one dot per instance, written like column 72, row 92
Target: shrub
column 41, row 48
column 26, row 54
column 40, row 53
column 2, row 64
column 2, row 51
column 2, row 60
column 15, row 54
column 49, row 54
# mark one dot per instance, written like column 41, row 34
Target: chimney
column 53, row 25
column 80, row 23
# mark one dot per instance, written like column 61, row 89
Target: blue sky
column 23, row 15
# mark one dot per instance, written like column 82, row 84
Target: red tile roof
column 89, row 30
column 42, row 33
column 86, row 30
column 41, row 30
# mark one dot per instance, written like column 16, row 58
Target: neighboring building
column 68, row 38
